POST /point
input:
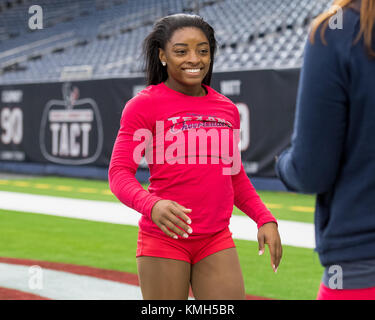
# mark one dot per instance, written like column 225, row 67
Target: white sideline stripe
column 60, row 285
column 298, row 234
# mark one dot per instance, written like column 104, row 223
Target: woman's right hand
column 171, row 218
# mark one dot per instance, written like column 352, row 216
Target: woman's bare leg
column 163, row 279
column 218, row 277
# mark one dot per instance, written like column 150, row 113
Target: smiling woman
column 188, row 62
column 184, row 237
column 180, row 45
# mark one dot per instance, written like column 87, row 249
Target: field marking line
column 117, row 276
column 85, row 190
column 298, row 234
column 63, row 188
column 41, row 186
column 273, row 205
column 60, row 285
column 21, row 183
column 302, row 209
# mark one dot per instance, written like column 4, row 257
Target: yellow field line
column 292, row 208
column 64, row 188
column 273, row 205
column 302, row 209
column 87, row 190
column 109, row 193
column 21, row 183
column 41, row 186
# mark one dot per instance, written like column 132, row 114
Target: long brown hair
column 367, row 18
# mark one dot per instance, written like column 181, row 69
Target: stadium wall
column 68, row 128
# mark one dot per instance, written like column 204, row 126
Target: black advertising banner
column 266, row 101
column 70, row 123
column 75, row 123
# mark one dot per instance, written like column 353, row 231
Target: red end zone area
column 11, row 294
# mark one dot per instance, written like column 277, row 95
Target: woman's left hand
column 269, row 234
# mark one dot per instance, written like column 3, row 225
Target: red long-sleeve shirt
column 165, row 121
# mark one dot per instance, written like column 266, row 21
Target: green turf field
column 111, row 246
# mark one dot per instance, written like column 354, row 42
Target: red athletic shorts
column 345, row 294
column 191, row 250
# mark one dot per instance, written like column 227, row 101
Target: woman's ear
column 162, row 55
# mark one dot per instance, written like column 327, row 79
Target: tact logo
column 71, row 130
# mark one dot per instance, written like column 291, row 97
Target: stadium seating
column 105, row 36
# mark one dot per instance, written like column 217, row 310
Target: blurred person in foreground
column 333, row 147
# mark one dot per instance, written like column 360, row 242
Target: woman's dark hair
column 162, row 33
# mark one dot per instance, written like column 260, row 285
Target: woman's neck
column 196, row 91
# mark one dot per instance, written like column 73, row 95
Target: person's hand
column 171, row 218
column 269, row 234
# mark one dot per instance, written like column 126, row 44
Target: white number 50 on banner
column 11, row 125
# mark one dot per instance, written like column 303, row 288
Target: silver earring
column 163, row 63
